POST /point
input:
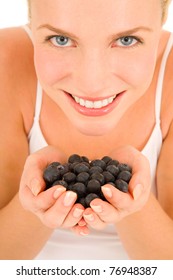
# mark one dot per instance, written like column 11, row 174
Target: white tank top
column 105, row 244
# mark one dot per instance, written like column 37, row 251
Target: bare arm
column 148, row 234
column 22, row 235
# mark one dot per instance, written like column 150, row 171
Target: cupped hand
column 120, row 204
column 55, row 206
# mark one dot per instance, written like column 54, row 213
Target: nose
column 91, row 73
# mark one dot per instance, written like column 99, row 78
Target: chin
column 94, row 128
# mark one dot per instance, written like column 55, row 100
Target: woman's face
column 95, row 58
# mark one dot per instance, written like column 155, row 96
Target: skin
column 93, row 69
column 69, row 69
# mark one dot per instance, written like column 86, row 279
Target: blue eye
column 61, row 41
column 127, row 41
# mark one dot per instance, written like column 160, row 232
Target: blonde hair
column 164, row 4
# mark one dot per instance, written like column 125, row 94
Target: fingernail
column 137, row 191
column 82, row 223
column 83, row 233
column 69, row 198
column 77, row 212
column 107, row 191
column 89, row 217
column 97, row 208
column 35, row 186
column 58, row 192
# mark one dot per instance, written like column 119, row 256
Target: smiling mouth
column 89, row 104
column 94, row 108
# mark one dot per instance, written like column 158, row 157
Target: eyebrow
column 57, row 30
column 119, row 34
column 134, row 30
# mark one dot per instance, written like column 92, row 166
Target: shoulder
column 167, row 93
column 17, row 70
column 165, row 162
column 15, row 50
column 16, row 95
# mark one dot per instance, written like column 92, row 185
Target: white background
column 14, row 13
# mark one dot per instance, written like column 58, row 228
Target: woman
column 105, row 88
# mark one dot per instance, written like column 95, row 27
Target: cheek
column 50, row 68
column 142, row 71
column 136, row 70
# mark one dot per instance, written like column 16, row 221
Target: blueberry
column 69, row 177
column 60, row 182
column 54, row 163
column 111, row 183
column 121, row 185
column 51, row 174
column 125, row 175
column 63, row 169
column 80, row 167
column 72, row 166
column 93, row 186
column 80, row 189
column 98, row 162
column 124, row 167
column 106, row 159
column 99, row 177
column 89, row 198
column 81, row 200
column 70, row 186
column 83, row 177
column 84, row 159
column 74, row 158
column 108, row 177
column 95, row 169
column 86, row 164
column 114, row 170
column 113, row 162
column 86, row 177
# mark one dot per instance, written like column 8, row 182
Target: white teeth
column 77, row 99
column 98, row 104
column 89, row 104
column 105, row 102
column 110, row 99
column 82, row 102
column 94, row 104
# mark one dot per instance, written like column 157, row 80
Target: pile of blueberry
column 86, row 177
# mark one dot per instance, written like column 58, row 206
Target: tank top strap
column 38, row 103
column 27, row 30
column 161, row 78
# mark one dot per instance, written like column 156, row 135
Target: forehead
column 83, row 13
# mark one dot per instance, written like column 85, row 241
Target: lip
column 94, row 112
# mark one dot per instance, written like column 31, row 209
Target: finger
column 141, row 179
column 141, row 175
column 74, row 216
column 35, row 164
column 32, row 178
column 93, row 219
column 46, row 199
column 80, row 230
column 55, row 216
column 43, row 201
column 105, row 211
column 82, row 222
column 117, row 198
